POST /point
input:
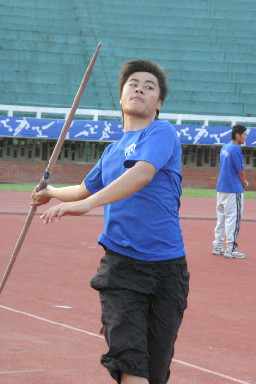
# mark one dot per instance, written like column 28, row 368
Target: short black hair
column 143, row 65
column 238, row 128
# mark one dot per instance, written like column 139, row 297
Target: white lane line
column 102, row 337
column 212, row 372
column 51, row 322
column 20, row 372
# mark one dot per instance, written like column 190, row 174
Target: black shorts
column 142, row 310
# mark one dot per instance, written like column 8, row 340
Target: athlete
column 230, row 195
column 143, row 279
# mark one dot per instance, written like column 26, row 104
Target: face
column 241, row 138
column 140, row 96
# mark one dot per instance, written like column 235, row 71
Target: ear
column 158, row 106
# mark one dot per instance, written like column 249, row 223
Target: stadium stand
column 207, row 48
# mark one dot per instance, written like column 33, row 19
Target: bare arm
column 241, row 175
column 130, row 182
column 72, row 193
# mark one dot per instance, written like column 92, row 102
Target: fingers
column 33, row 196
column 40, row 198
column 76, row 208
column 35, row 190
column 53, row 213
column 37, row 201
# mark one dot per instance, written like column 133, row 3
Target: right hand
column 245, row 184
column 41, row 197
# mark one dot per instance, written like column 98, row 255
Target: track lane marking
column 212, row 372
column 102, row 337
column 51, row 322
column 20, row 372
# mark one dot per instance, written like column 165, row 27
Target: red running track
column 50, row 317
column 191, row 207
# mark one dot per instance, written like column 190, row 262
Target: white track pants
column 229, row 211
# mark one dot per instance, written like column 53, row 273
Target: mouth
column 138, row 99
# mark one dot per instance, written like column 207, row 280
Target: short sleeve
column 93, row 181
column 156, row 146
column 238, row 159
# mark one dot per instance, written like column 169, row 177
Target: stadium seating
column 207, row 48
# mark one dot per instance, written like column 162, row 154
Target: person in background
column 230, row 195
column 142, row 280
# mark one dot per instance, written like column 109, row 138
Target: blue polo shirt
column 231, row 162
column 146, row 224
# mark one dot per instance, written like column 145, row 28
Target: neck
column 135, row 123
column 236, row 142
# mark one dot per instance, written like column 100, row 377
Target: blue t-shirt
column 145, row 225
column 231, row 162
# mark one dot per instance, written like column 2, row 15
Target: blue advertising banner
column 110, row 131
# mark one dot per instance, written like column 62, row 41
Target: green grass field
column 191, row 192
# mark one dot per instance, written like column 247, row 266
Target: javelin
column 45, row 179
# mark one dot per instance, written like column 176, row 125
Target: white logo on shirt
column 225, row 153
column 130, row 150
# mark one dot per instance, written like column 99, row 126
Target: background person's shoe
column 218, row 251
column 234, row 255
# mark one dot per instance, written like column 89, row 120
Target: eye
column 149, row 87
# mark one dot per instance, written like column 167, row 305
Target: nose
column 139, row 89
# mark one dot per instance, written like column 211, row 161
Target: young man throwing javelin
column 142, row 279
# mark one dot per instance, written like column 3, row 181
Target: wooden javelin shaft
column 45, row 179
